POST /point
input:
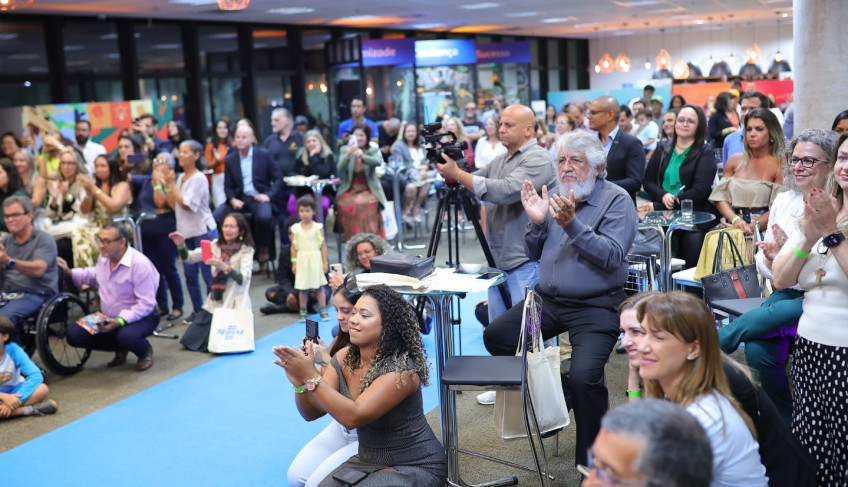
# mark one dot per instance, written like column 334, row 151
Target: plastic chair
column 475, row 373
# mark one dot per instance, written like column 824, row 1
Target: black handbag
column 738, row 282
column 403, row 264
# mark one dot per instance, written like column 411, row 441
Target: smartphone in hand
column 205, row 250
column 312, row 330
column 336, row 270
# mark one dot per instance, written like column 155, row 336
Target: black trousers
column 593, row 328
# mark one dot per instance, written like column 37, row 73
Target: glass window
column 444, row 88
column 95, row 90
column 272, row 91
column 164, row 89
column 221, row 98
column 24, row 93
column 91, row 47
column 22, row 49
column 159, row 47
column 270, row 49
column 218, row 49
column 317, row 101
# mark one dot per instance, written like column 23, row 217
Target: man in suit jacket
column 251, row 179
column 625, row 155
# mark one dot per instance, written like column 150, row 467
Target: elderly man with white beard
column 580, row 233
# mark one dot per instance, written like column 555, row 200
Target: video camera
column 435, row 147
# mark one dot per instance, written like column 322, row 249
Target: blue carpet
column 231, row 421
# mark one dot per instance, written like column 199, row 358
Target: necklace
column 823, row 256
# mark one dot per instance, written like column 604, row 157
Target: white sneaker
column 487, row 398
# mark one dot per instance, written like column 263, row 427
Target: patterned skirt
column 359, row 210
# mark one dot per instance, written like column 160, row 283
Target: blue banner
column 384, row 52
column 504, row 52
column 445, row 52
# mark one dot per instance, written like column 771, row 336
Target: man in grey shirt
column 580, row 235
column 28, row 260
column 499, row 186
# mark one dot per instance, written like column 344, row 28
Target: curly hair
column 380, row 247
column 400, row 348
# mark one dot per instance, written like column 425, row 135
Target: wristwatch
column 833, row 239
column 11, row 264
column 311, row 384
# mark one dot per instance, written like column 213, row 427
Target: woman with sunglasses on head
column 335, row 444
column 684, row 169
column 754, row 177
column 374, row 385
column 680, row 360
column 816, row 258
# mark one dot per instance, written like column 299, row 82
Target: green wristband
column 122, row 321
column 158, row 186
column 735, row 219
column 634, row 394
column 181, row 247
column 298, row 389
column 294, row 259
column 801, row 255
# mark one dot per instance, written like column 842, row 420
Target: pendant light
column 606, row 63
column 753, row 55
column 779, row 65
column 731, row 60
column 663, row 60
column 647, row 46
column 622, row 61
column 681, row 68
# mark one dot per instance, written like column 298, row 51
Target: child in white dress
column 309, row 256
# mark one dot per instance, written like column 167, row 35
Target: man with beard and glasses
column 580, row 234
column 90, row 149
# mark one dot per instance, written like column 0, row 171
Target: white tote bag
column 389, row 221
column 543, row 380
column 231, row 331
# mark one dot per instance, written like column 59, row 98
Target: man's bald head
column 518, row 126
column 244, row 137
column 603, row 114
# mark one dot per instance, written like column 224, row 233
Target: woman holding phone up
column 232, row 260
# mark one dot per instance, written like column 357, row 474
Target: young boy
column 22, row 388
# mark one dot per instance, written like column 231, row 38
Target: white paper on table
column 368, row 279
column 447, row 279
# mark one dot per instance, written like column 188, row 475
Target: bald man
column 251, row 180
column 625, row 154
column 499, row 186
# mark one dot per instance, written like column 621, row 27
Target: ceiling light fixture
column 779, row 64
column 7, row 5
column 731, row 60
column 622, row 62
column 606, row 63
column 233, row 4
column 647, row 46
column 663, row 59
column 290, row 10
column 681, row 68
column 478, row 6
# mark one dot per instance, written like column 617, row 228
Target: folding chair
column 475, row 373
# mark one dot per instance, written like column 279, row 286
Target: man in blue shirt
column 357, row 114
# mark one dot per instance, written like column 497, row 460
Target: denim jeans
column 190, row 271
column 527, row 274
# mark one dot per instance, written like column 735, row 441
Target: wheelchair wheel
column 60, row 313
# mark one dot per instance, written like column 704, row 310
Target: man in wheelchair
column 28, row 263
column 127, row 282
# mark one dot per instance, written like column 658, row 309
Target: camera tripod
column 454, row 198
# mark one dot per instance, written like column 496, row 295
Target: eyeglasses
column 14, row 215
column 605, row 477
column 592, row 113
column 686, row 121
column 805, row 161
column 105, row 241
column 572, row 161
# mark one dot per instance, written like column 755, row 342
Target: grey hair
column 282, row 111
column 380, row 248
column 197, row 148
column 582, row 141
column 24, row 201
column 676, row 451
column 31, row 161
column 120, row 227
column 825, row 139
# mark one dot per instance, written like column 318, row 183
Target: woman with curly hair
column 374, row 385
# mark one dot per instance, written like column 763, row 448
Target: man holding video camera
column 499, row 186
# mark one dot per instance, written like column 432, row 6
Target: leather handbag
column 738, row 282
column 403, row 264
